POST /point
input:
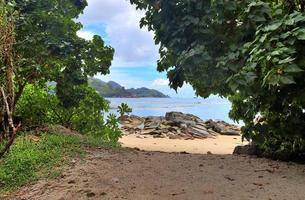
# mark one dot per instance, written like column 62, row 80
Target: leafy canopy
column 48, row 48
column 249, row 51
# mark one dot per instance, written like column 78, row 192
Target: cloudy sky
column 136, row 54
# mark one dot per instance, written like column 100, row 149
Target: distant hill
column 113, row 89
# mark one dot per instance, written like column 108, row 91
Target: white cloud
column 88, row 35
column 160, row 82
column 133, row 46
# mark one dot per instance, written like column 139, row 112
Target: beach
column 219, row 145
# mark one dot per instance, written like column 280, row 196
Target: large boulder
column 178, row 118
column 223, row 128
column 131, row 121
column 246, row 150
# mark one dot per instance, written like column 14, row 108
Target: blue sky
column 136, row 55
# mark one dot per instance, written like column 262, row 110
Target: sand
column 219, row 145
column 134, row 174
column 138, row 175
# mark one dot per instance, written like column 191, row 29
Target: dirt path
column 137, row 175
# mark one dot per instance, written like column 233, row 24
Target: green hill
column 113, row 89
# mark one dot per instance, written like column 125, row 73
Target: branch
column 10, row 122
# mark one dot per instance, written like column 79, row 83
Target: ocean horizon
column 215, row 108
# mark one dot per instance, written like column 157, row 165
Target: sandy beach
column 220, row 145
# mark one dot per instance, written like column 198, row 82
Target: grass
column 33, row 157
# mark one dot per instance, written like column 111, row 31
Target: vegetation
column 124, row 109
column 39, row 106
column 34, row 157
column 249, row 51
column 113, row 89
column 39, row 45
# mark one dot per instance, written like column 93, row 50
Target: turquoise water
column 211, row 108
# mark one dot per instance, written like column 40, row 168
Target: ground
column 139, row 175
column 218, row 145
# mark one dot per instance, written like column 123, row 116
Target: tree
column 44, row 47
column 124, row 109
column 48, row 48
column 249, row 51
column 7, row 41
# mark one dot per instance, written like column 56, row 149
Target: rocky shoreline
column 176, row 125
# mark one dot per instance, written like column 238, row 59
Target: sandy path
column 136, row 175
column 219, row 145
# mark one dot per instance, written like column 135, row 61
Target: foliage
column 249, row 51
column 124, row 109
column 35, row 106
column 39, row 106
column 48, row 48
column 38, row 44
column 32, row 157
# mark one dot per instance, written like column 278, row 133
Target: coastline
column 179, row 132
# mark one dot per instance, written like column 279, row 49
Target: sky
column 136, row 54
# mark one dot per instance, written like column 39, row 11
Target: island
column 112, row 89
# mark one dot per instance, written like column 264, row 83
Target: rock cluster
column 177, row 125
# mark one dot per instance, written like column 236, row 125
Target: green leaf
column 287, row 80
column 293, row 69
column 273, row 79
column 272, row 27
column 299, row 34
column 287, row 60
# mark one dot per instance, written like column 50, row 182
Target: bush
column 38, row 106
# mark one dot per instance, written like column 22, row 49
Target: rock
column 164, row 131
column 183, row 126
column 213, row 133
column 177, row 125
column 229, row 132
column 174, row 129
column 103, row 194
column 201, row 127
column 90, row 194
column 174, row 137
column 128, row 130
column 131, row 121
column 72, row 182
column 247, row 150
column 196, row 131
column 158, row 136
column 153, row 122
column 151, row 132
column 147, row 131
column 156, row 132
column 222, row 127
column 177, row 118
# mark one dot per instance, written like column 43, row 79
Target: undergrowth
column 35, row 157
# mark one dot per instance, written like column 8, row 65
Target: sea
column 215, row 108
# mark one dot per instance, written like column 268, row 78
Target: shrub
column 38, row 106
